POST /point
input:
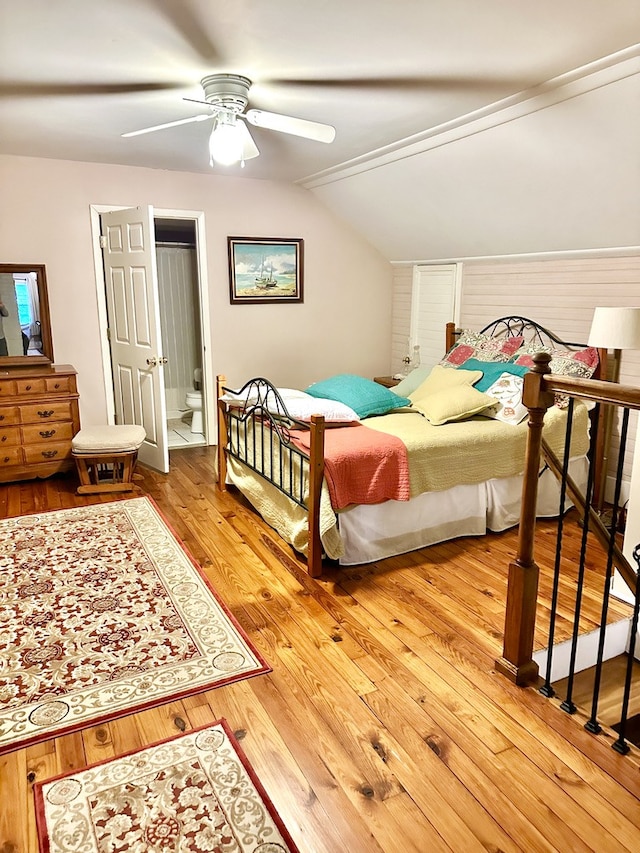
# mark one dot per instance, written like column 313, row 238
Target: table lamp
column 612, row 329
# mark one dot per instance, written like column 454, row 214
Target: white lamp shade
column 615, row 328
column 230, row 141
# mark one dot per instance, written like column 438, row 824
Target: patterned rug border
column 38, row 788
column 144, row 705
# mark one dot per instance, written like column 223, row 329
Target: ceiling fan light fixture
column 226, row 143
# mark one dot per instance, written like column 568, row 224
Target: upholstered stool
column 105, row 457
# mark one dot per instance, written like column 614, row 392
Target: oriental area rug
column 103, row 613
column 193, row 793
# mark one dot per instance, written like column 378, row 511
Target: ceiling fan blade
column 426, row 83
column 38, row 90
column 167, row 124
column 288, row 124
column 192, row 29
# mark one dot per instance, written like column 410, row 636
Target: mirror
column 25, row 329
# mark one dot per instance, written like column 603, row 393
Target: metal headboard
column 510, row 327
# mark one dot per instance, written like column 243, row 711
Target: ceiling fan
column 227, row 97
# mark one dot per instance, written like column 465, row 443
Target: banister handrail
column 540, row 386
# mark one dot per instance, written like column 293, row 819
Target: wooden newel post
column 522, row 592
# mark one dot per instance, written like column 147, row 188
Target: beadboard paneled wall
column 401, row 316
column 559, row 294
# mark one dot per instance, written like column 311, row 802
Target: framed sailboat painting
column 265, row 269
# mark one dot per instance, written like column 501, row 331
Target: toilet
column 194, row 401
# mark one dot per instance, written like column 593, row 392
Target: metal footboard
column 254, row 427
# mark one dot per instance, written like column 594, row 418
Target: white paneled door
column 434, row 298
column 134, row 328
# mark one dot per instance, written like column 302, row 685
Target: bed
column 360, row 483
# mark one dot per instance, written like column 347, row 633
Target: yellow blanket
column 440, row 457
column 478, row 449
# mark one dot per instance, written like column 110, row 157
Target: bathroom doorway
column 143, row 403
column 180, row 321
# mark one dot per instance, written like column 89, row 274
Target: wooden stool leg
column 116, row 470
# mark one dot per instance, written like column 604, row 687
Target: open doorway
column 180, row 321
column 129, row 311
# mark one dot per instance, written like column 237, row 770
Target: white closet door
column 434, row 303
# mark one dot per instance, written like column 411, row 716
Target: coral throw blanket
column 362, row 466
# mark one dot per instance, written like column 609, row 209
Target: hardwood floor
column 383, row 725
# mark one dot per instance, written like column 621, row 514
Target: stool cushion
column 119, row 438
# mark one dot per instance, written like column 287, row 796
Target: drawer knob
column 57, row 385
column 6, row 459
column 46, row 413
column 1, row 417
column 4, row 438
column 47, row 433
column 28, row 388
column 49, row 454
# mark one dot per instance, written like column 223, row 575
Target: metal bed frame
column 265, row 407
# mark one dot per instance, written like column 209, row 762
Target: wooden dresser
column 38, row 418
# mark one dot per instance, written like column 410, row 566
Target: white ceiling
column 383, row 70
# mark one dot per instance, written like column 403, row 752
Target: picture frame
column 265, row 269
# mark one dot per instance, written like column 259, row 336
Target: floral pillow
column 507, row 391
column 477, row 345
column 581, row 363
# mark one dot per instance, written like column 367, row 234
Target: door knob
column 153, row 361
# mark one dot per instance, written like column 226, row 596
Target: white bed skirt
column 374, row 532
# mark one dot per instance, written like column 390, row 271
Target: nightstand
column 387, row 381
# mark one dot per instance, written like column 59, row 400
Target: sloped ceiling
column 556, row 172
column 75, row 75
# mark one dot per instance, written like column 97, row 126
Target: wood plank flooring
column 383, row 725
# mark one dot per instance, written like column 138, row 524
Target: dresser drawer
column 38, row 418
column 10, row 456
column 7, row 388
column 47, row 453
column 59, row 384
column 9, row 437
column 36, row 385
column 9, row 415
column 40, row 433
column 57, row 410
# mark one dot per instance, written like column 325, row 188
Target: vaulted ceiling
column 387, row 74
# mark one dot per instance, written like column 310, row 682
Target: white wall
column 344, row 324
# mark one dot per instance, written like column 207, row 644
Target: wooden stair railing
column 540, row 385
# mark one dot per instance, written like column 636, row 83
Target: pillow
column 477, row 345
column 299, row 405
column 491, row 371
column 507, row 390
column 333, row 411
column 411, row 381
column 364, row 396
column 565, row 362
column 453, row 404
column 443, row 379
